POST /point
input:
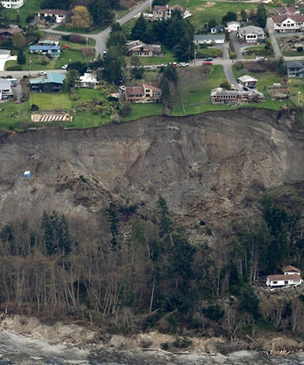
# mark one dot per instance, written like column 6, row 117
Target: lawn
column 51, row 101
column 253, row 51
column 29, row 7
column 168, row 56
column 8, row 120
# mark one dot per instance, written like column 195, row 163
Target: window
column 286, row 282
column 274, row 282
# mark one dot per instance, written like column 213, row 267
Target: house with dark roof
column 56, row 15
column 142, row 93
column 6, row 33
column 49, row 40
column 252, row 34
column 217, row 29
column 164, row 12
column 291, row 276
column 51, row 82
column 288, row 10
column 294, row 69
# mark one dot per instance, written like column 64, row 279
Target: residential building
column 49, row 40
column 223, row 96
column 294, row 69
column 288, row 23
column 252, row 34
column 5, row 89
column 217, row 29
column 288, row 10
column 164, row 12
column 140, row 49
column 6, row 33
column 143, row 93
column 247, row 80
column 51, row 82
column 87, row 80
column 12, row 4
column 53, row 51
column 233, row 26
column 291, row 276
column 209, row 38
column 57, row 16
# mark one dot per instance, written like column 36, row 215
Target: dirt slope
column 202, row 164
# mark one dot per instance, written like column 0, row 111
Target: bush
column 232, row 55
column 125, row 109
column 300, row 49
column 34, row 107
column 30, row 18
column 77, row 38
column 14, row 68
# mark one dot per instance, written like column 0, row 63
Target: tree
column 19, row 40
column 262, row 16
column 113, row 64
column 229, row 17
column 137, row 70
column 21, row 59
column 55, row 4
column 101, row 11
column 81, row 17
column 212, row 23
column 244, row 15
column 79, row 66
column 164, row 223
column 117, row 39
column 71, row 77
column 113, row 219
column 139, row 31
column 225, row 85
column 281, row 69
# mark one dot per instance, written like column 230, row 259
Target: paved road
column 276, row 48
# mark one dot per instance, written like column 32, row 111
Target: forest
column 138, row 270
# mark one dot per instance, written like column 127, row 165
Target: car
column 251, row 87
column 207, row 63
column 41, row 73
column 245, row 88
column 64, row 67
column 232, row 87
column 183, row 64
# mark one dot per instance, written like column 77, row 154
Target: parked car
column 251, row 86
column 245, row 88
column 207, row 63
column 41, row 73
column 64, row 67
column 183, row 64
column 232, row 87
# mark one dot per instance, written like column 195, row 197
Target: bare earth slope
column 199, row 163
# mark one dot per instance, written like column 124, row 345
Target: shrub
column 300, row 49
column 14, row 68
column 232, row 55
column 125, row 109
column 30, row 18
column 34, row 107
column 77, row 38
column 43, row 60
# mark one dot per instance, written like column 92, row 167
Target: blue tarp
column 27, row 174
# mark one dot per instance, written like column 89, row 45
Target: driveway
column 5, row 59
column 276, row 48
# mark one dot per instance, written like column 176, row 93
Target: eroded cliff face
column 201, row 164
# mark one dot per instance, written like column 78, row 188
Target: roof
column 139, row 89
column 44, row 48
column 11, row 30
column 290, row 10
column 53, row 11
column 208, row 37
column 234, row 22
column 5, row 84
column 251, row 29
column 247, row 78
column 54, row 77
column 289, row 268
column 295, row 18
column 284, row 277
column 88, row 78
column 50, row 38
column 151, row 87
column 294, row 64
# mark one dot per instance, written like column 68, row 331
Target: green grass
column 29, row 7
column 6, row 121
column 143, row 110
column 63, row 28
column 51, row 101
column 168, row 56
column 254, row 51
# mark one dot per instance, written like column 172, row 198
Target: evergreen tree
column 262, row 16
column 164, row 222
column 21, row 59
column 137, row 70
column 139, row 30
column 101, row 12
column 113, row 219
column 281, row 69
column 113, row 63
column 117, row 39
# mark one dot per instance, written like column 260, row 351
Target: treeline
column 133, row 271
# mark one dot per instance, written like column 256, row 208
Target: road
column 276, row 48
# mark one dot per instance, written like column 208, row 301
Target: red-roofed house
column 164, row 12
column 288, row 23
column 143, row 93
column 292, row 276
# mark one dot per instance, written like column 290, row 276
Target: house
column 217, row 29
column 288, row 23
column 291, row 276
column 57, row 16
column 252, row 34
column 53, row 51
column 209, row 38
column 9, row 32
column 288, row 10
column 87, row 80
column 247, row 81
column 164, row 12
column 138, row 48
column 294, row 69
column 223, row 96
column 143, row 93
column 233, row 26
column 51, row 82
column 5, row 89
column 12, row 4
column 49, row 40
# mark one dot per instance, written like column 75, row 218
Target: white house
column 288, row 23
column 233, row 26
column 247, row 80
column 163, row 12
column 291, row 276
column 251, row 34
column 57, row 16
column 209, row 38
column 87, row 80
column 12, row 4
column 5, row 89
